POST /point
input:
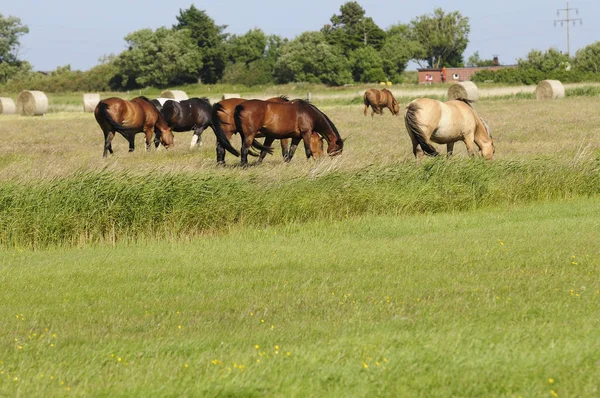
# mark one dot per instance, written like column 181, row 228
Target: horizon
column 68, row 34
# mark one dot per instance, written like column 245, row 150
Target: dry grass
column 62, row 143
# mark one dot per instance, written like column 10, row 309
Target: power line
column 568, row 20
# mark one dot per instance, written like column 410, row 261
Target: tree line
column 350, row 48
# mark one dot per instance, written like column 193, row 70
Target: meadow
column 161, row 274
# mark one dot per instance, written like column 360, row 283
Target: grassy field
column 161, row 274
column 495, row 303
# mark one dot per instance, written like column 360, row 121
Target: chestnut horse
column 131, row 117
column 428, row 120
column 223, row 120
column 378, row 100
column 296, row 119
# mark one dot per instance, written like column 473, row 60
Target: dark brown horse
column 131, row 117
column 223, row 120
column 191, row 114
column 378, row 100
column 296, row 119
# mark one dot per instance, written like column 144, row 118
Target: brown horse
column 131, row 117
column 378, row 100
column 428, row 120
column 296, row 119
column 223, row 119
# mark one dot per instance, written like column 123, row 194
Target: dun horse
column 223, row 120
column 131, row 117
column 191, row 114
column 378, row 100
column 297, row 120
column 428, row 120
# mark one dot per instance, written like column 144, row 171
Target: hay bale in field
column 7, row 106
column 549, row 89
column 174, row 94
column 230, row 95
column 467, row 90
column 32, row 103
column 90, row 100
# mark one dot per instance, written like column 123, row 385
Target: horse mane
column 284, row 97
column 470, row 103
column 329, row 122
column 145, row 99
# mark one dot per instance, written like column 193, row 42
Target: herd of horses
column 297, row 120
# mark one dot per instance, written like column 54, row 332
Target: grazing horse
column 131, row 117
column 428, row 120
column 378, row 100
column 191, row 114
column 296, row 119
column 223, row 120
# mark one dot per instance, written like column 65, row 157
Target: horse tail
column 219, row 133
column 103, row 110
column 412, row 125
column 237, row 116
column 366, row 99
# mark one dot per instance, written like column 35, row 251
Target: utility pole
column 568, row 20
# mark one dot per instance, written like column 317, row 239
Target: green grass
column 108, row 207
column 477, row 303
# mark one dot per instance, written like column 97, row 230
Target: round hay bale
column 174, row 94
column 230, row 95
column 7, row 106
column 549, row 89
column 90, row 100
column 466, row 90
column 32, row 103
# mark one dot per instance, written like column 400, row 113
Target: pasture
column 159, row 273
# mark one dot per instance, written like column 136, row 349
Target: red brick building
column 453, row 75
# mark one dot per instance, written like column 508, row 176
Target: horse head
column 166, row 136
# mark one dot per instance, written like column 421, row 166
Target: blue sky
column 79, row 33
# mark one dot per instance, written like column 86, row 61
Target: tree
column 351, row 29
column 475, row 60
column 443, row 38
column 11, row 30
column 397, row 50
column 367, row 65
column 548, row 61
column 248, row 47
column 209, row 38
column 161, row 58
column 309, row 58
column 588, row 59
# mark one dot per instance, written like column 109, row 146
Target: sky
column 79, row 33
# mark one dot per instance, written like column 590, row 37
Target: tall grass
column 94, row 207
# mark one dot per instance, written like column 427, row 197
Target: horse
column 223, row 120
column 131, row 117
column 297, row 119
column 191, row 114
column 378, row 100
column 428, row 120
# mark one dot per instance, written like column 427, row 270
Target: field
column 162, row 274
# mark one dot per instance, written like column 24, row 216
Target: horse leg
column 246, row 144
column 268, row 142
column 148, row 139
column 285, row 146
column 108, row 136
column 366, row 108
column 197, row 137
column 306, row 137
column 470, row 147
column 449, row 149
column 131, row 140
column 295, row 142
